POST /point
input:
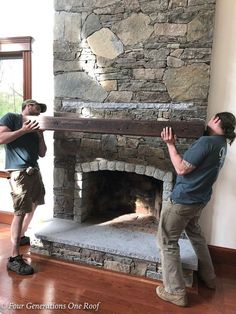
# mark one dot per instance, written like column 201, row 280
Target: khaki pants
column 173, row 221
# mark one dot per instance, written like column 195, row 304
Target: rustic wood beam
column 184, row 129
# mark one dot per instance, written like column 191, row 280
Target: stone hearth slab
column 109, row 239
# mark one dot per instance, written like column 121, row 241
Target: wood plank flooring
column 60, row 287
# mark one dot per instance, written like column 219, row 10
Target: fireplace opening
column 124, row 200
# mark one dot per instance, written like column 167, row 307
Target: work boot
column 18, row 265
column 210, row 283
column 177, row 299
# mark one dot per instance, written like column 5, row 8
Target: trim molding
column 13, row 44
column 221, row 255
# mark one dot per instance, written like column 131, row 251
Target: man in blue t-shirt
column 197, row 171
column 24, row 144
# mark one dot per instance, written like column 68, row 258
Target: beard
column 33, row 113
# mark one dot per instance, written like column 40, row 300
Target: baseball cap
column 34, row 102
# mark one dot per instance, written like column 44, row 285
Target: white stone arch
column 100, row 164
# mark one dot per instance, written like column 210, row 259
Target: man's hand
column 30, row 126
column 168, row 136
column 181, row 166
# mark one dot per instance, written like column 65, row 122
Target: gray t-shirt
column 24, row 151
column 207, row 154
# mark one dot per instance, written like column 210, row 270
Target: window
column 19, row 47
column 15, row 86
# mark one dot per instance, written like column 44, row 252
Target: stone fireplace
column 80, row 158
column 109, row 190
column 122, row 59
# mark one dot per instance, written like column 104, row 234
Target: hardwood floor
column 84, row 289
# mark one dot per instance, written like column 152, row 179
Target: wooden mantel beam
column 184, row 129
column 190, row 129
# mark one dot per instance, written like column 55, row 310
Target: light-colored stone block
column 105, row 43
column 120, row 166
column 140, row 169
column 94, row 166
column 86, row 167
column 129, row 167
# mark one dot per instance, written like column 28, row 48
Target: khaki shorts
column 26, row 190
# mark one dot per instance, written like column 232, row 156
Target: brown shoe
column 177, row 299
column 211, row 283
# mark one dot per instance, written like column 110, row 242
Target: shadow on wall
column 219, row 213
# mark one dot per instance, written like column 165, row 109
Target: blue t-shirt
column 207, row 154
column 24, row 151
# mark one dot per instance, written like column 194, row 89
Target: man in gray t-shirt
column 24, row 144
column 207, row 155
column 197, row 171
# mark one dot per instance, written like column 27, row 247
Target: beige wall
column 219, row 218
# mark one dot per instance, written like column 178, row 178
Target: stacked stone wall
column 133, row 51
column 127, row 59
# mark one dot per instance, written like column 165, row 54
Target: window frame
column 20, row 47
column 15, row 47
